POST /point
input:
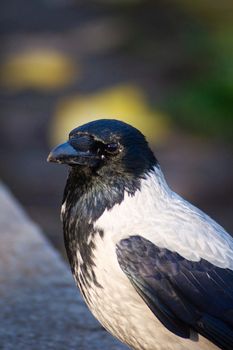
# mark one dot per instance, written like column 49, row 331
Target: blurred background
column 164, row 66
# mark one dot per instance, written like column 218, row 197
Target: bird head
column 105, row 147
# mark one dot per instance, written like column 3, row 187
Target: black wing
column 183, row 294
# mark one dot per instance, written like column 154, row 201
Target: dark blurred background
column 164, row 66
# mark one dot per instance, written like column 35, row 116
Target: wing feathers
column 183, row 294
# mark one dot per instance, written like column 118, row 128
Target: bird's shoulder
column 158, row 214
column 193, row 234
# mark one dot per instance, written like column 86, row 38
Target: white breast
column 122, row 311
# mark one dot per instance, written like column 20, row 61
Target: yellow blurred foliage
column 39, row 69
column 214, row 12
column 124, row 102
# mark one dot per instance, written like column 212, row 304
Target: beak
column 67, row 154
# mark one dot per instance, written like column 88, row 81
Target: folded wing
column 184, row 295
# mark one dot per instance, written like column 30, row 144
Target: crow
column 154, row 270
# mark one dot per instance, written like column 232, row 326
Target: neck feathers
column 87, row 202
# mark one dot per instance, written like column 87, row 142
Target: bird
column 156, row 271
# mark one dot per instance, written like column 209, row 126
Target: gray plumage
column 154, row 270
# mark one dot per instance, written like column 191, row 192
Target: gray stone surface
column 40, row 307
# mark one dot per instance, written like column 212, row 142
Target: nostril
column 82, row 143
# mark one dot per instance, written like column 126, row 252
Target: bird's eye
column 112, row 147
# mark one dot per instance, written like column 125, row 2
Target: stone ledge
column 40, row 307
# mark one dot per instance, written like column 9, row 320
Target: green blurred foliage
column 204, row 107
column 200, row 101
column 204, row 104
